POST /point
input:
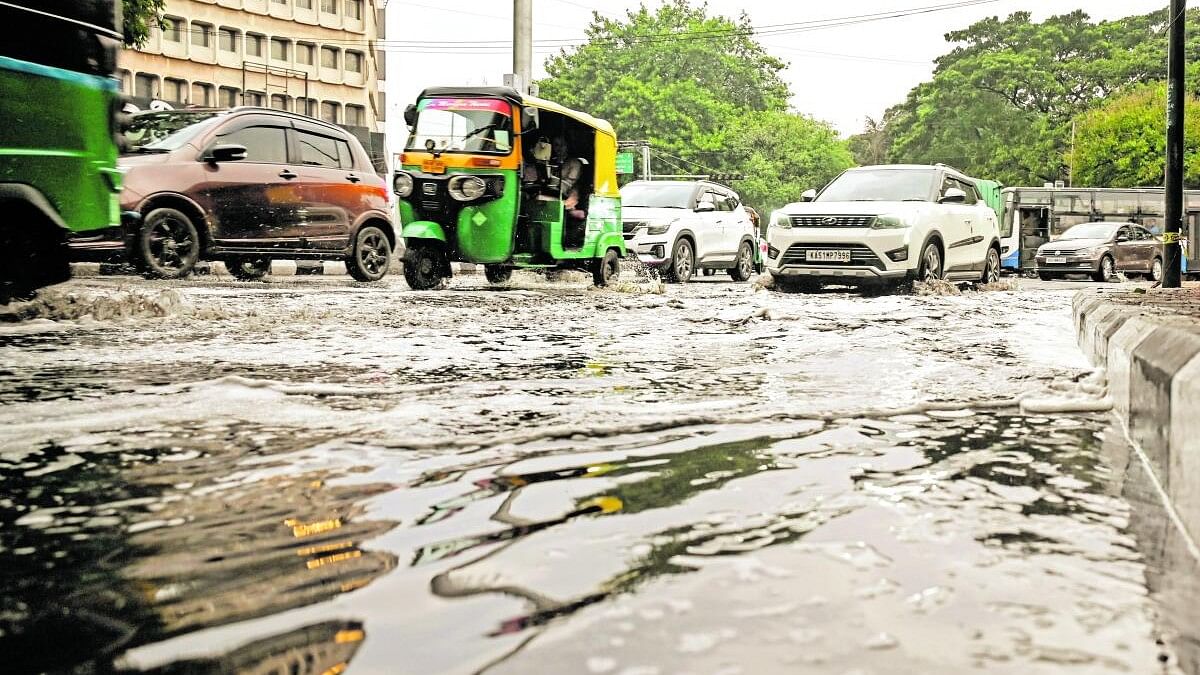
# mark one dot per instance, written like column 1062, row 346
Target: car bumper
column 873, row 253
column 1072, row 264
column 651, row 251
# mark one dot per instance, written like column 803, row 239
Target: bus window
column 1006, row 227
column 1074, row 203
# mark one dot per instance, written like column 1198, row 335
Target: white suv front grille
column 832, row 221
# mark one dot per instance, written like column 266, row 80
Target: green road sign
column 625, row 162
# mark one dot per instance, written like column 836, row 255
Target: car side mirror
column 227, row 152
column 809, row 195
column 705, row 207
column 953, row 196
column 410, row 116
column 529, row 120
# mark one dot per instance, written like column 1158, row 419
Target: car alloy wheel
column 371, row 255
column 682, row 265
column 1156, row 270
column 991, row 267
column 744, row 267
column 1107, row 271
column 168, row 246
column 931, row 263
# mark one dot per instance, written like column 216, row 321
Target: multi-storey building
column 317, row 57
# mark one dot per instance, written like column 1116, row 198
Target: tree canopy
column 139, row 16
column 702, row 91
column 1001, row 101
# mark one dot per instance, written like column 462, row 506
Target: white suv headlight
column 890, row 222
column 780, row 219
column 658, row 228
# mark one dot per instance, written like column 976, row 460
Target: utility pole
column 523, row 44
column 646, row 162
column 1173, row 191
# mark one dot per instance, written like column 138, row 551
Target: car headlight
column 780, row 219
column 467, row 188
column 659, row 228
column 402, row 184
column 889, row 222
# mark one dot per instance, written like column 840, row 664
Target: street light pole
column 523, row 43
column 1174, row 172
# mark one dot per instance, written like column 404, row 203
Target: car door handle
column 352, row 178
column 287, row 174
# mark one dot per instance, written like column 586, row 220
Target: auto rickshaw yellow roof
column 521, row 99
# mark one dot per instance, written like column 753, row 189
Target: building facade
column 316, row 57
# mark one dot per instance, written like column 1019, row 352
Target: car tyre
column 1156, row 270
column 424, row 266
column 248, row 268
column 930, row 268
column 497, row 274
column 743, row 269
column 1107, row 270
column 167, row 245
column 370, row 256
column 606, row 270
column 991, row 268
column 683, row 262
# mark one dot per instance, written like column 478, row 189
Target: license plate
column 1056, row 260
column 836, row 255
column 433, row 166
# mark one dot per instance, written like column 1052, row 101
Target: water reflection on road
column 557, row 479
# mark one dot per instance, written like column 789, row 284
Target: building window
column 279, row 49
column 228, row 39
column 329, row 6
column 126, row 81
column 202, row 94
column 253, row 98
column 356, row 116
column 254, row 45
column 145, row 86
column 172, row 28
column 279, row 102
column 354, row 9
column 329, row 111
column 307, row 106
column 304, row 4
column 304, row 54
column 280, row 2
column 229, row 97
column 354, row 62
column 175, row 91
column 329, row 57
column 201, row 34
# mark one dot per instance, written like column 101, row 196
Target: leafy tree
column 782, row 154
column 872, row 145
column 1000, row 103
column 139, row 17
column 1123, row 142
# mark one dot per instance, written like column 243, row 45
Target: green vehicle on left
column 506, row 180
column 58, row 148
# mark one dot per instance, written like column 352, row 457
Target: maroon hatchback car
column 246, row 186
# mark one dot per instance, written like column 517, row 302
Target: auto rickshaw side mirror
column 410, row 116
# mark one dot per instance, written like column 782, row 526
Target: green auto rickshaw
column 496, row 177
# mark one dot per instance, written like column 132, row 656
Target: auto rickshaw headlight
column 467, row 188
column 402, row 184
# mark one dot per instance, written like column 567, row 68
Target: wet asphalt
column 215, row 476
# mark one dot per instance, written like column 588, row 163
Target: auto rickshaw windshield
column 463, row 125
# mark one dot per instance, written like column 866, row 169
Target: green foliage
column 1000, row 103
column 781, row 155
column 702, row 91
column 872, row 145
column 139, row 17
column 1123, row 142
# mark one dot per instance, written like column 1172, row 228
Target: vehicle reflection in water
column 112, row 548
column 322, row 649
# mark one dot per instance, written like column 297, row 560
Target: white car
column 889, row 223
column 679, row 227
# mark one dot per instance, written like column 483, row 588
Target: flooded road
column 293, row 476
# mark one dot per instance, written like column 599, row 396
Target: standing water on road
column 311, row 475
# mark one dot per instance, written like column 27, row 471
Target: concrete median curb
column 1150, row 349
column 279, row 268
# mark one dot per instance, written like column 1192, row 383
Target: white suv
column 679, row 227
column 886, row 223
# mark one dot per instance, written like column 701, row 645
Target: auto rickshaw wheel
column 497, row 274
column 606, row 270
column 424, row 266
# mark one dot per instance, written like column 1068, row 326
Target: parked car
column 1102, row 249
column 679, row 227
column 888, row 224
column 245, row 186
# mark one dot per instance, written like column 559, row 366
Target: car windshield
column 1091, row 231
column 482, row 125
column 167, row 130
column 658, row 195
column 880, row 185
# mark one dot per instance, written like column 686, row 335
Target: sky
column 840, row 75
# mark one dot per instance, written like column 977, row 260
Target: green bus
column 58, row 141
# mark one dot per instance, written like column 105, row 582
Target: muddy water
column 549, row 478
